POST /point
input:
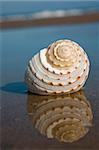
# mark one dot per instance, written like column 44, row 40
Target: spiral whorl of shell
column 63, row 67
column 66, row 118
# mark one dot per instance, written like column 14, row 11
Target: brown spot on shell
column 45, row 91
column 71, row 107
column 62, row 107
column 86, row 61
column 54, row 72
column 69, row 83
column 84, row 70
column 50, row 83
column 78, row 77
column 87, row 114
column 68, row 72
column 75, row 67
column 54, row 93
column 46, row 68
column 61, row 73
column 60, row 84
column 42, row 80
column 53, row 108
column 78, row 85
column 62, row 92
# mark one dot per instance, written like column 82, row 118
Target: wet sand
column 43, row 21
column 18, row 46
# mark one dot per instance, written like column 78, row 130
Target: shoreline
column 47, row 21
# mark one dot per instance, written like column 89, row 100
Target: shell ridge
column 63, row 67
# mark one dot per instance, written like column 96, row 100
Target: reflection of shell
column 66, row 118
column 61, row 68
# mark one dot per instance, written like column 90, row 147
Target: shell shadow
column 15, row 87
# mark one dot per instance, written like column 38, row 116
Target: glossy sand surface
column 17, row 47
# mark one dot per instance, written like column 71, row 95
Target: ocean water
column 24, row 7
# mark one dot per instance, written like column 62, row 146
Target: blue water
column 16, row 7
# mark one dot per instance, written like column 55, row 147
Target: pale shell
column 63, row 67
column 66, row 118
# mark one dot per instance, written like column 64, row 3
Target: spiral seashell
column 66, row 118
column 63, row 67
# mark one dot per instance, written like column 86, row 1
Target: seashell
column 63, row 67
column 66, row 118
